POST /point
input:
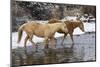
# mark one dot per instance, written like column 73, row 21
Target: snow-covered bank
column 89, row 27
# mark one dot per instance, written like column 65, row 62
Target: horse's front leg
column 46, row 41
column 53, row 42
column 64, row 38
column 71, row 35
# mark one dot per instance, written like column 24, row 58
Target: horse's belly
column 60, row 31
column 39, row 34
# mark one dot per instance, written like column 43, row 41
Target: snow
column 89, row 27
column 82, row 18
column 69, row 18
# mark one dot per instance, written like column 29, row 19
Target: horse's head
column 81, row 26
column 64, row 27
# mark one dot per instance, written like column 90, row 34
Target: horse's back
column 54, row 21
column 30, row 26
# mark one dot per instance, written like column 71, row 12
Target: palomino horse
column 71, row 25
column 46, row 31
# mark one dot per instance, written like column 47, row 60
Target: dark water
column 82, row 50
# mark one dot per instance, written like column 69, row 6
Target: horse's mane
column 53, row 21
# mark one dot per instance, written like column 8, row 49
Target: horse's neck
column 75, row 24
column 71, row 25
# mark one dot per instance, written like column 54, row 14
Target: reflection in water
column 48, row 56
column 81, row 50
column 78, row 54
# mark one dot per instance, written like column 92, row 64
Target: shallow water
column 83, row 49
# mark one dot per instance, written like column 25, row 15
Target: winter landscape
column 84, row 42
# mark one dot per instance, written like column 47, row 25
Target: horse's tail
column 20, row 30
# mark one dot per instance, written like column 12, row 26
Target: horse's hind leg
column 63, row 39
column 30, row 39
column 46, row 41
column 25, row 41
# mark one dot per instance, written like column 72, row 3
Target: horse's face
column 64, row 28
column 81, row 26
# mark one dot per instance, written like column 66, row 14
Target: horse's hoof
column 53, row 48
column 46, row 50
column 25, row 48
column 46, row 47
